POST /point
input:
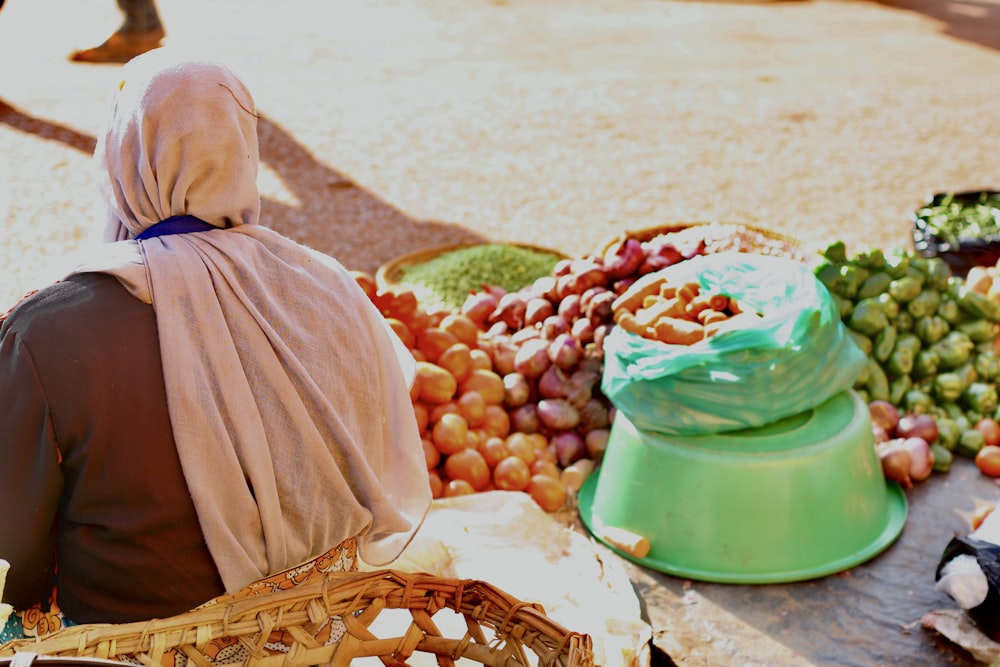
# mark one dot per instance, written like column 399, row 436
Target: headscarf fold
column 287, row 391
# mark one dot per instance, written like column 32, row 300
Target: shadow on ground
column 971, row 21
column 331, row 213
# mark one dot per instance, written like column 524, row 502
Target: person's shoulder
column 63, row 301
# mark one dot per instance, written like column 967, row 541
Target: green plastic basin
column 796, row 499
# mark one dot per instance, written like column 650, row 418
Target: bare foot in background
column 120, row 47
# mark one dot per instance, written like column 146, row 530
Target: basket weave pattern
column 499, row 629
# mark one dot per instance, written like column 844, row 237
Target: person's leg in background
column 140, row 31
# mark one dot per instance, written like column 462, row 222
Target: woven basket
column 751, row 238
column 499, row 630
column 25, row 659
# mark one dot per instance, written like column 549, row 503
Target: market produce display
column 508, row 389
column 931, row 341
column 508, row 393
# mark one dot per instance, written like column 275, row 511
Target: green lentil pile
column 446, row 280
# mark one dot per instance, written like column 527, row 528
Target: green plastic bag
column 798, row 355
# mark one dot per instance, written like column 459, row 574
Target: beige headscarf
column 287, row 391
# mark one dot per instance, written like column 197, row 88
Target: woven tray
column 498, row 629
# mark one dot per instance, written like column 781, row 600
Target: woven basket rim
column 351, row 595
column 388, row 275
column 644, row 234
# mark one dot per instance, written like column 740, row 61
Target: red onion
column 579, row 387
column 600, row 331
column 556, row 414
column 599, row 308
column 522, row 335
column 517, row 390
column 917, row 426
column 562, row 267
column 585, row 274
column 594, row 416
column 552, row 383
column 566, row 285
column 667, row 251
column 565, row 351
column 495, row 290
column 510, row 309
column 581, row 265
column 623, row 258
column 536, row 310
column 593, row 278
column 895, row 460
column 569, row 307
column 884, row 414
column 544, row 287
column 582, row 330
column 596, row 441
column 569, row 447
column 525, row 419
column 478, row 306
column 592, row 360
column 553, row 326
column 504, row 354
column 532, row 358
column 497, row 329
column 693, row 250
column 654, row 263
column 921, row 458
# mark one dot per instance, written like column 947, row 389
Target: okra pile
column 930, row 339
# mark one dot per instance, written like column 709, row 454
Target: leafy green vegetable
column 955, row 218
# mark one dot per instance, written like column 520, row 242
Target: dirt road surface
column 395, row 125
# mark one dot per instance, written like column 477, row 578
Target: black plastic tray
column 967, row 253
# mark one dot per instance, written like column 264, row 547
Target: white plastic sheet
column 505, row 539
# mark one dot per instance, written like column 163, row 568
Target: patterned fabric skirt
column 44, row 619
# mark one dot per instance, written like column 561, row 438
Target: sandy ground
column 395, row 125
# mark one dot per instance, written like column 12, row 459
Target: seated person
column 203, row 403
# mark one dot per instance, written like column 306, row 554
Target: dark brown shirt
column 89, row 473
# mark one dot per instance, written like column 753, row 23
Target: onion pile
column 907, row 445
column 547, row 345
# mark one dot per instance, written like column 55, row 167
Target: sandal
column 120, row 47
